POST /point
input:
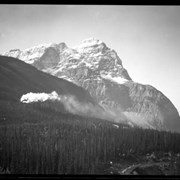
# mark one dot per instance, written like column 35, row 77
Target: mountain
column 23, row 84
column 40, row 135
column 20, row 78
column 97, row 68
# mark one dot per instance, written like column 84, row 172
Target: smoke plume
column 72, row 105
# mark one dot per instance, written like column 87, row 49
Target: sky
column 146, row 38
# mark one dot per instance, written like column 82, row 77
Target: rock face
column 97, row 68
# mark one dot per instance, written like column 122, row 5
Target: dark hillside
column 18, row 78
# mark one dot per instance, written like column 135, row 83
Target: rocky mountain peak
column 92, row 45
column 97, row 68
column 59, row 46
column 90, row 42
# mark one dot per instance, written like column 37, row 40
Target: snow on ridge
column 91, row 40
column 43, row 45
column 88, row 43
column 75, row 56
column 66, row 78
column 74, row 66
column 12, row 53
column 118, row 80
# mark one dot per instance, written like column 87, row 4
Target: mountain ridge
column 97, row 68
column 31, row 79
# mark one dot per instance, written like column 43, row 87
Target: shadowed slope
column 18, row 78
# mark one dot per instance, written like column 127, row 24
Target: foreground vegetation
column 70, row 144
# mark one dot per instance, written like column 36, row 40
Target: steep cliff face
column 97, row 68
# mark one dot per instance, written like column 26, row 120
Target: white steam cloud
column 72, row 105
column 39, row 97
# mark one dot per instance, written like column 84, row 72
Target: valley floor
column 165, row 165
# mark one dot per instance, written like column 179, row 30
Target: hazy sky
column 146, row 38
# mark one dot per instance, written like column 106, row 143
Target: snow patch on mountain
column 118, row 80
column 88, row 43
